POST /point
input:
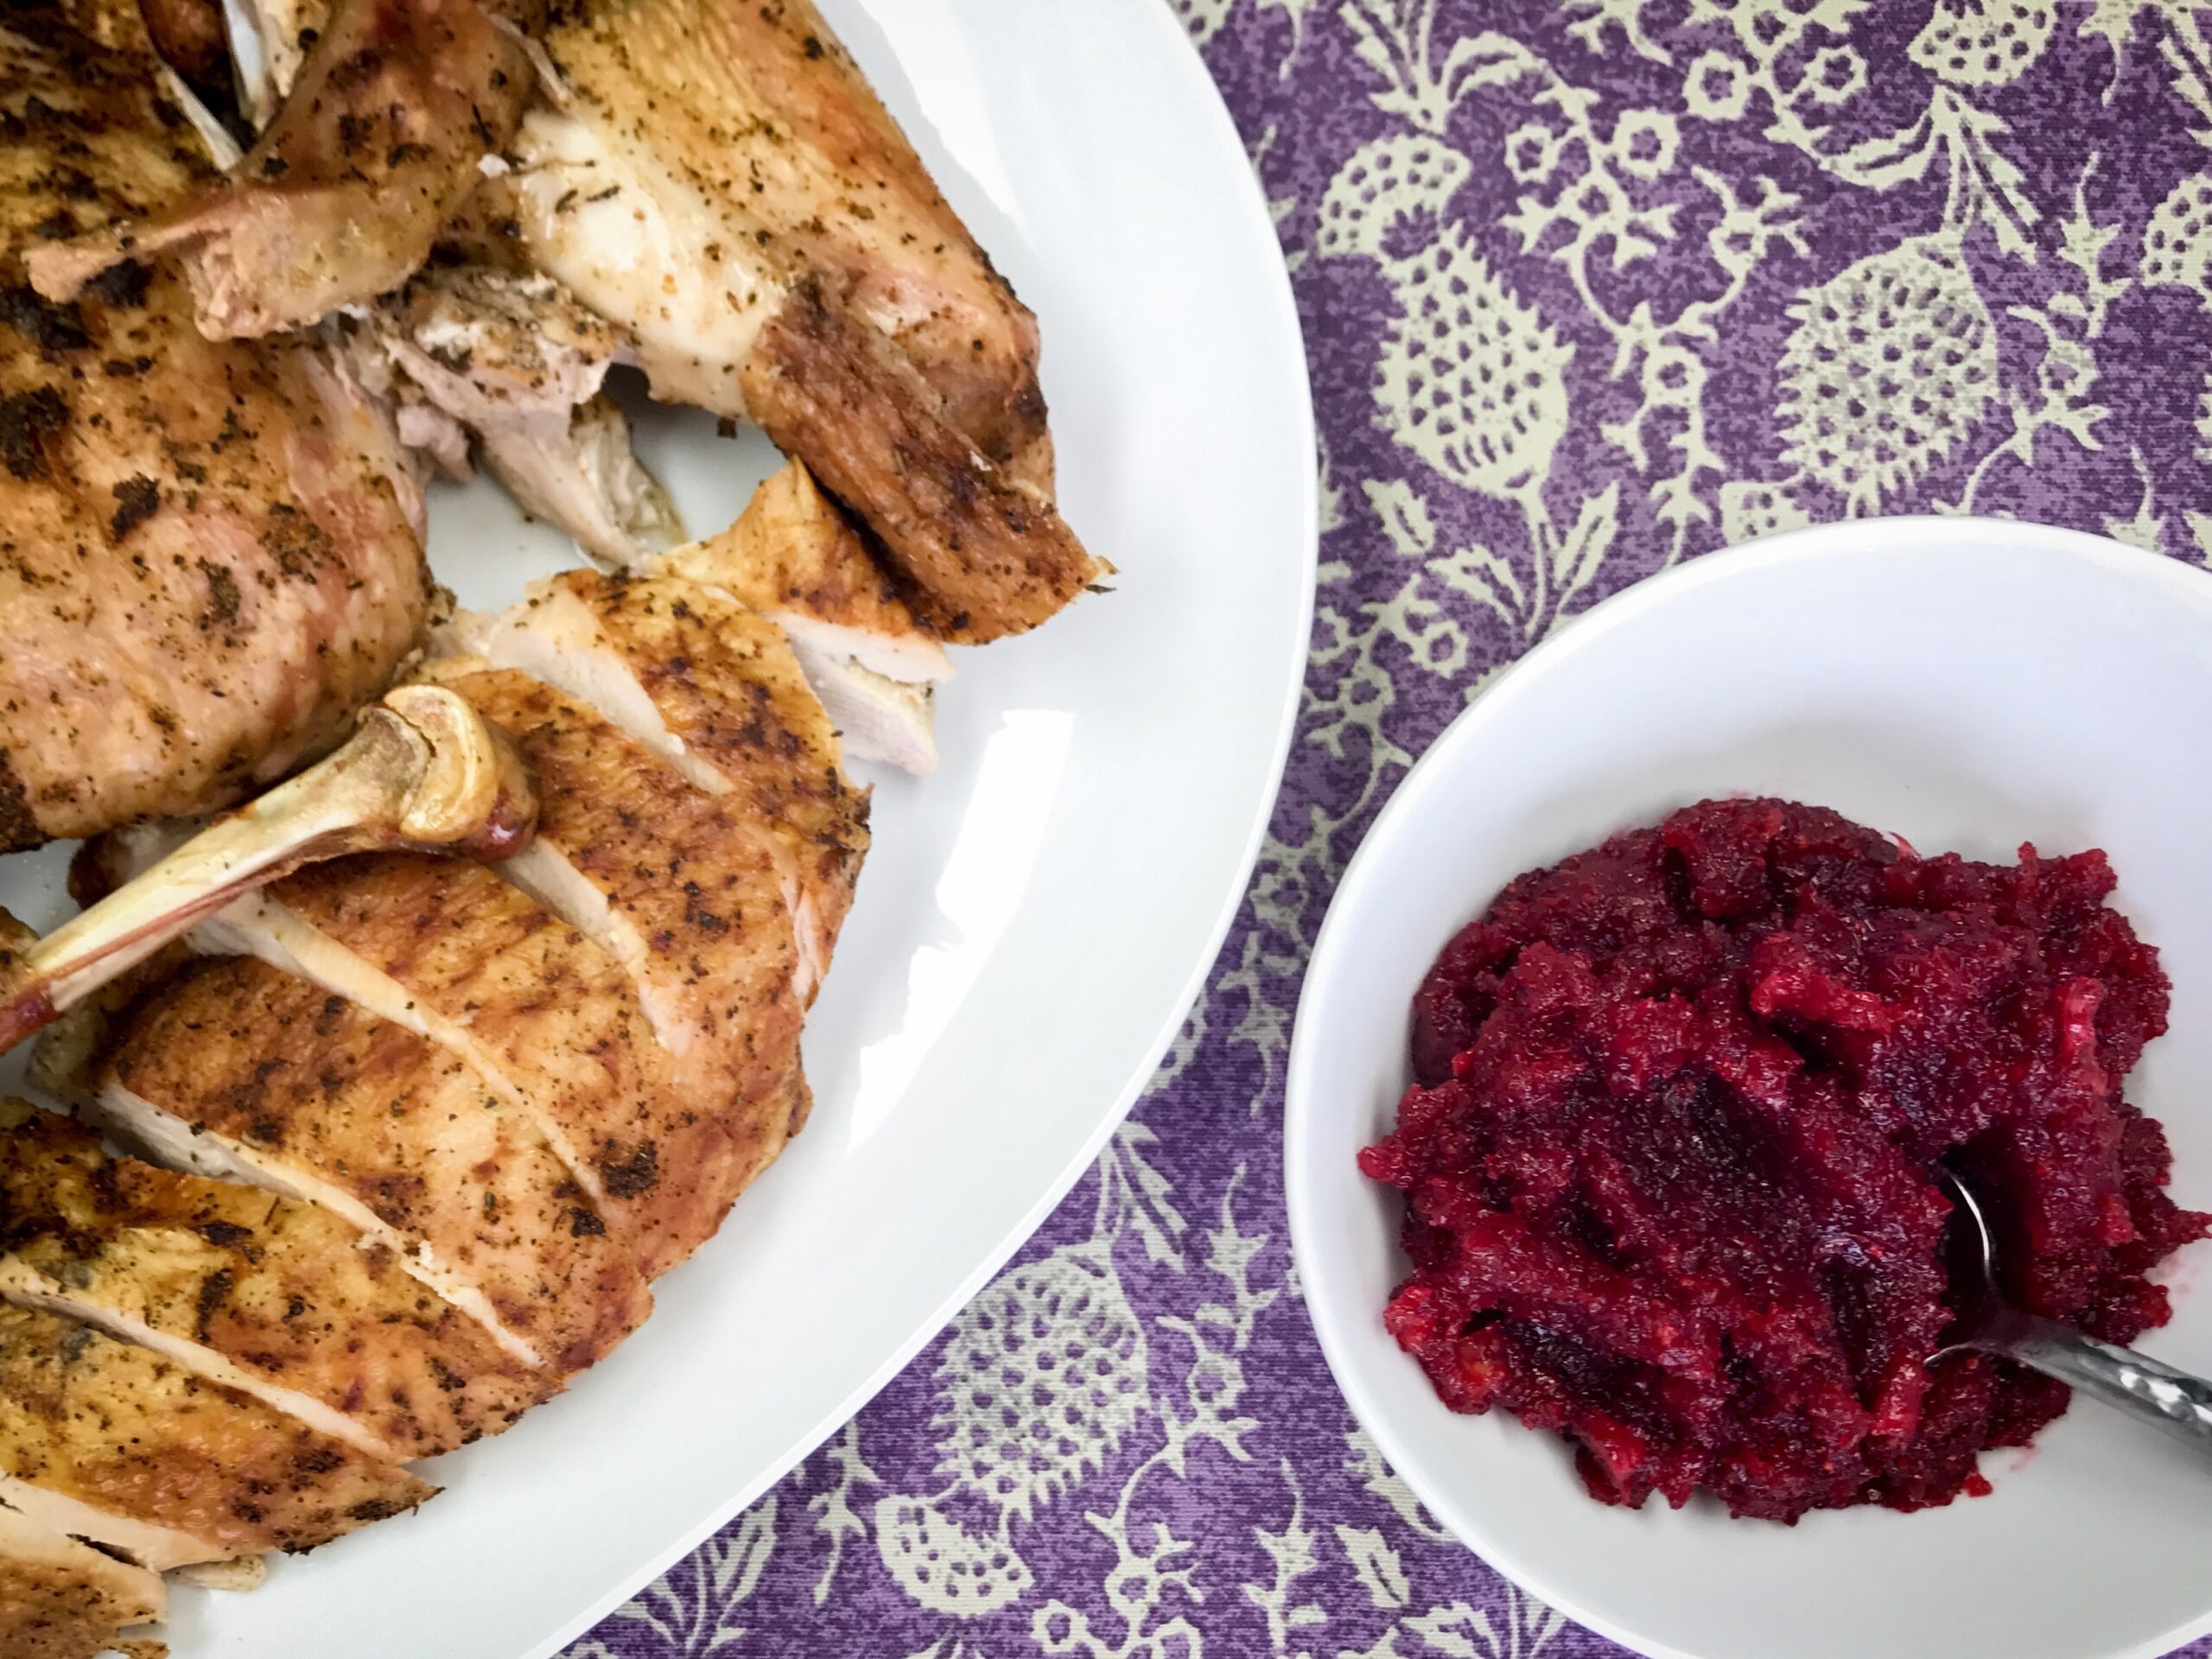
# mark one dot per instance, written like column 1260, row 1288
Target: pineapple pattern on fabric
column 1974, row 44
column 1892, row 364
column 1041, row 1380
column 1590, row 287
column 1470, row 379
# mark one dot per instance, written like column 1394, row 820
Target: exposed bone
column 237, row 1575
column 425, row 772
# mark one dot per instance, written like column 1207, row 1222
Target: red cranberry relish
column 1667, row 1161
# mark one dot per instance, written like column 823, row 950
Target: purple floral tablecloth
column 1589, row 287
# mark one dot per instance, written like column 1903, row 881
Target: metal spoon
column 2143, row 1388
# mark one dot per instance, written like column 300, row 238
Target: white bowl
column 1970, row 685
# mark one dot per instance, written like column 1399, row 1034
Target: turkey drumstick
column 426, row 772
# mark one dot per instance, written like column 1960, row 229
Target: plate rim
column 1806, row 544
column 1281, row 299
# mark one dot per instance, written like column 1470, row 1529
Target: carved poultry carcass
column 711, row 191
column 416, row 1133
column 210, row 554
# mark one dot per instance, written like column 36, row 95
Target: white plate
column 1970, row 685
column 1033, row 921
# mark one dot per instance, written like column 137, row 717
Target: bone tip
column 477, row 795
column 507, row 828
column 23, row 1014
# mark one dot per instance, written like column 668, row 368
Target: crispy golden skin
column 63, row 1599
column 713, row 688
column 687, row 896
column 794, row 557
column 549, row 1013
column 753, row 118
column 724, row 683
column 133, row 1435
column 287, row 1293
column 344, row 194
column 979, row 554
column 717, row 178
column 398, row 1131
column 207, row 558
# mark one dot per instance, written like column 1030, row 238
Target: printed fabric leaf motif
column 740, row 1557
column 1891, row 364
column 1042, row 1378
column 1582, row 551
column 832, row 1507
column 1488, row 59
column 1404, row 516
column 1889, row 159
column 1291, row 1551
column 2200, row 531
column 1148, row 1205
column 1381, row 1573
column 1983, row 42
column 2115, row 20
column 1454, row 1631
column 943, row 1567
column 2146, row 528
column 1364, row 1461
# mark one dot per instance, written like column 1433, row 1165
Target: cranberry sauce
column 1668, row 1157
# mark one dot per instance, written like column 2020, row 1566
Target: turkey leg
column 425, row 772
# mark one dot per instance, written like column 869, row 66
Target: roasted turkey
column 717, row 179
column 61, row 1598
column 707, row 189
column 394, row 1148
column 409, row 1138
column 210, row 554
column 346, row 192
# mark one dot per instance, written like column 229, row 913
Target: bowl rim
column 1301, row 1112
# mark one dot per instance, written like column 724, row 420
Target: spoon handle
column 2174, row 1400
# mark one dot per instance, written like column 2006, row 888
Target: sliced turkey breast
column 548, row 1018
column 60, row 1598
column 686, row 896
column 714, row 689
column 793, row 556
column 237, row 1070
column 116, row 1445
column 277, row 1299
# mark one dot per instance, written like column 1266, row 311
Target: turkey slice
column 277, row 1299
